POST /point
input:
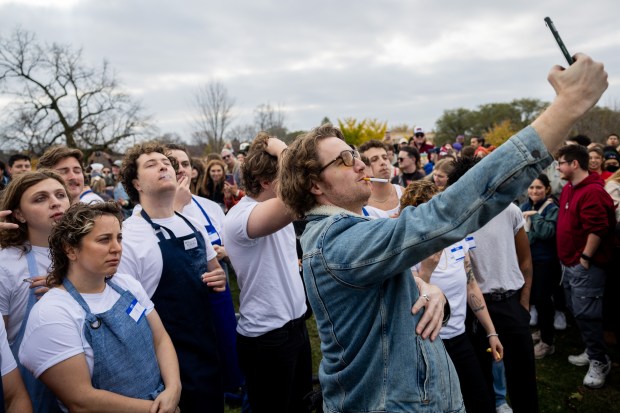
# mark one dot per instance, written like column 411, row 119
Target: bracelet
column 492, row 334
column 585, row 257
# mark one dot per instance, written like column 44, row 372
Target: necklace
column 384, row 200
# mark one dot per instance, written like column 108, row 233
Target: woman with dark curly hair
column 37, row 201
column 95, row 339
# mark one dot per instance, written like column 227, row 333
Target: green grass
column 560, row 388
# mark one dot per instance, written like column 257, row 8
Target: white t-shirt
column 267, row 269
column 8, row 362
column 141, row 254
column 55, row 328
column 89, row 197
column 494, row 257
column 13, row 290
column 450, row 276
column 379, row 213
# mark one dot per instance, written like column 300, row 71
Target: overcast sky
column 397, row 61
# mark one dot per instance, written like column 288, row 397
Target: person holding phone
column 218, row 188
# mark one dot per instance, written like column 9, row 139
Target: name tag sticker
column 190, row 243
column 136, row 310
column 457, row 253
column 471, row 243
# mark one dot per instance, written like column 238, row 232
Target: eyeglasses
column 419, row 135
column 562, row 162
column 401, row 159
column 347, row 157
column 226, row 156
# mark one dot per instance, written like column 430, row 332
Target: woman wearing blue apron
column 182, row 300
column 95, row 338
column 37, row 201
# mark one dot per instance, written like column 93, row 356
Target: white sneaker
column 503, row 408
column 580, row 359
column 533, row 315
column 595, row 378
column 559, row 321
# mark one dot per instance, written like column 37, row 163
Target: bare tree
column 59, row 99
column 270, row 119
column 214, row 115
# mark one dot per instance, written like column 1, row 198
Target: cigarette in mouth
column 385, row 181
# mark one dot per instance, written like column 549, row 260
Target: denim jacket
column 359, row 283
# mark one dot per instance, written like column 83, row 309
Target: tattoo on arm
column 475, row 303
column 469, row 271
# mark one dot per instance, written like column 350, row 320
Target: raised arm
column 577, row 89
column 270, row 215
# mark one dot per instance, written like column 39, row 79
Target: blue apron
column 182, row 301
column 224, row 319
column 124, row 355
column 43, row 400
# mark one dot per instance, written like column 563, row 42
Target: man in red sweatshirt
column 585, row 241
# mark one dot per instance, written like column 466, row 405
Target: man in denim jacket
column 377, row 355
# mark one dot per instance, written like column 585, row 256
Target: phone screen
column 230, row 179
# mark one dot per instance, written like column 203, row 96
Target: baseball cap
column 403, row 140
column 417, row 131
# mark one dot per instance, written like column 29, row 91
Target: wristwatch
column 586, row 257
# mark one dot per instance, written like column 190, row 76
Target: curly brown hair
column 418, row 193
column 129, row 170
column 301, row 167
column 56, row 154
column 11, row 199
column 258, row 165
column 76, row 223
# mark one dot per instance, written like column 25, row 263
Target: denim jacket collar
column 329, row 210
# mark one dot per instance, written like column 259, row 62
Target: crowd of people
column 421, row 265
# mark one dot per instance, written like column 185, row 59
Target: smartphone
column 558, row 39
column 230, row 179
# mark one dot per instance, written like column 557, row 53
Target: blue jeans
column 584, row 297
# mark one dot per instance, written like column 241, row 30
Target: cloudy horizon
column 403, row 62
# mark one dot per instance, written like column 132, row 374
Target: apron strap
column 158, row 227
column 83, row 194
column 210, row 228
column 32, row 299
column 90, row 317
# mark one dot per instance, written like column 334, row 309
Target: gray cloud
column 398, row 61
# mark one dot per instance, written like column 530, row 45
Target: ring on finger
column 426, row 297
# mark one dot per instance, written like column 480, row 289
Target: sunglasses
column 226, row 156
